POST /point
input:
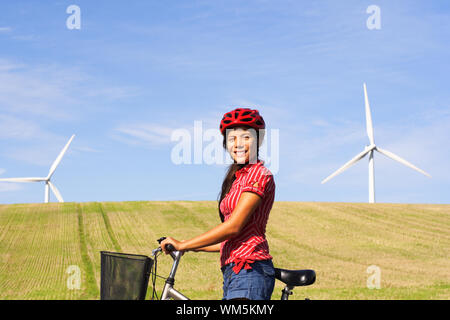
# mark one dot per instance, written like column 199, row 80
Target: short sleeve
column 262, row 183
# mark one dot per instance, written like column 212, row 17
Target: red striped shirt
column 251, row 244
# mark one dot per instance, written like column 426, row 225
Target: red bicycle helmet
column 242, row 117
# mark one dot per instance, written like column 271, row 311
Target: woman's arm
column 247, row 204
column 212, row 248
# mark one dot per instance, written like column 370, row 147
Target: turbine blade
column 59, row 158
column 56, row 192
column 22, row 179
column 369, row 125
column 402, row 161
column 347, row 165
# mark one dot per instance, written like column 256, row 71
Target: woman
column 246, row 199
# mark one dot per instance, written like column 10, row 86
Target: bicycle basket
column 124, row 276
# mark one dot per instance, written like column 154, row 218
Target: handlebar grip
column 170, row 247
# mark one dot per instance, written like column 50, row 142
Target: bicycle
column 291, row 278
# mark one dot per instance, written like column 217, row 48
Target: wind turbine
column 370, row 150
column 48, row 184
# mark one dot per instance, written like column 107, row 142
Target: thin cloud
column 34, row 144
column 53, row 91
column 7, row 186
column 28, row 90
column 143, row 134
column 5, row 29
column 12, row 127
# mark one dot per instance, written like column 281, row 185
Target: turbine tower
column 370, row 150
column 48, row 184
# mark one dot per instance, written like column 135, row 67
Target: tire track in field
column 91, row 284
column 109, row 228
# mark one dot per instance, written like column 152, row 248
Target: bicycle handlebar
column 169, row 246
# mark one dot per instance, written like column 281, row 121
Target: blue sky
column 138, row 70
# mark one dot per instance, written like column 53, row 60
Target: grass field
column 410, row 243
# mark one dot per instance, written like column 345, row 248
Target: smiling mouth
column 240, row 153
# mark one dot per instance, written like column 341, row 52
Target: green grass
column 410, row 243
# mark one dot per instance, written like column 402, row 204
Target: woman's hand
column 178, row 245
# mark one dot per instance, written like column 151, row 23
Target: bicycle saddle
column 295, row 278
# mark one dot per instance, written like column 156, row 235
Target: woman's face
column 241, row 144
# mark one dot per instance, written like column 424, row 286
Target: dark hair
column 230, row 175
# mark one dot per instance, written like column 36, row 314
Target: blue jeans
column 256, row 283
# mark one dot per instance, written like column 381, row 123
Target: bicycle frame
column 169, row 292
